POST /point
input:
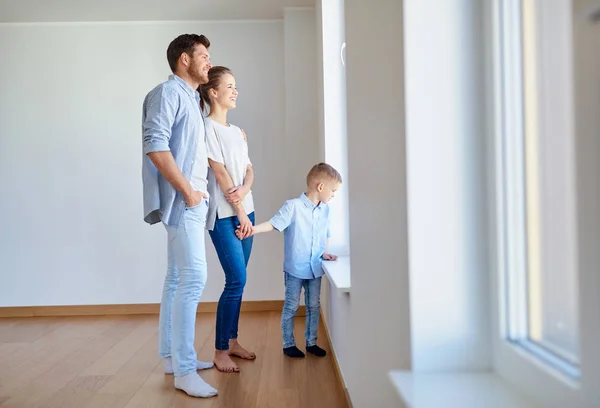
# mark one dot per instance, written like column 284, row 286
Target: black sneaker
column 293, row 352
column 316, row 350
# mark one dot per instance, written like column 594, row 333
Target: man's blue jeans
column 184, row 283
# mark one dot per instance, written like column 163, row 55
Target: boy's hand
column 240, row 234
column 329, row 257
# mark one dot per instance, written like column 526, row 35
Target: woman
column 229, row 182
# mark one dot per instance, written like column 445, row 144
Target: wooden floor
column 112, row 362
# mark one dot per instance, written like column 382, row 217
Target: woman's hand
column 238, row 232
column 236, row 195
column 245, row 228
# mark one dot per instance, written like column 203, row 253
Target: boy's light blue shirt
column 305, row 229
column 171, row 121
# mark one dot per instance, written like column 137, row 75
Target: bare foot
column 224, row 363
column 235, row 349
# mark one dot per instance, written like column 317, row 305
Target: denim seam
column 307, row 292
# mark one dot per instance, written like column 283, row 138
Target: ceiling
column 24, row 11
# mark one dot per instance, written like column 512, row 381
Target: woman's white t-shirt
column 226, row 145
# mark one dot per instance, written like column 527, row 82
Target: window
column 535, row 186
column 334, row 112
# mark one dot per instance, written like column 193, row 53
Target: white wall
column 144, row 10
column 70, row 156
column 586, row 42
column 301, row 125
column 449, row 290
column 370, row 328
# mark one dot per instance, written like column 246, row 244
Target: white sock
column 195, row 386
column 200, row 365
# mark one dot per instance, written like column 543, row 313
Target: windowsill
column 338, row 273
column 459, row 389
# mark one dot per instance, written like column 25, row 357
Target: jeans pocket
column 196, row 215
column 203, row 201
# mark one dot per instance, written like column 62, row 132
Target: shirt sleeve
column 159, row 115
column 213, row 147
column 284, row 217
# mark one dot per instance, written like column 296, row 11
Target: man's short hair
column 184, row 43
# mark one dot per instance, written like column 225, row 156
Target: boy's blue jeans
column 233, row 255
column 184, row 283
column 312, row 299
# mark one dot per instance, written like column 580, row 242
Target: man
column 174, row 172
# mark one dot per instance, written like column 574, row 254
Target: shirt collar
column 186, row 87
column 308, row 203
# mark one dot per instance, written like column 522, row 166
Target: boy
column 305, row 224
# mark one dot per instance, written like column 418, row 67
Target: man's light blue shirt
column 171, row 121
column 305, row 229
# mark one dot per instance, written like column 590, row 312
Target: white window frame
column 538, row 376
column 515, row 214
column 335, row 143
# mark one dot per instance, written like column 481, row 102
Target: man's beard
column 198, row 76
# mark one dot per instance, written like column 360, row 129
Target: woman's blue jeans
column 233, row 255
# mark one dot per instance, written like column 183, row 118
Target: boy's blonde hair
column 322, row 172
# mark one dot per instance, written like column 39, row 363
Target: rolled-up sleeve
column 160, row 107
column 284, row 217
